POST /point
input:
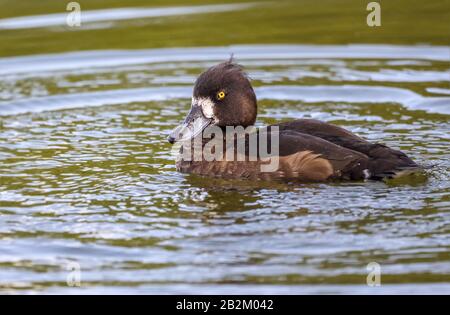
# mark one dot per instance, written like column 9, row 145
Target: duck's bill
column 192, row 126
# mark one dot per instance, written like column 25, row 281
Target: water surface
column 86, row 175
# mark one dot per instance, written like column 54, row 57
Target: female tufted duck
column 304, row 149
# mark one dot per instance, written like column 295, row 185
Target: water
column 93, row 16
column 86, row 175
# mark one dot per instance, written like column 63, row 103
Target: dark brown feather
column 383, row 161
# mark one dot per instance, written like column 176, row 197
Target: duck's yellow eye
column 220, row 95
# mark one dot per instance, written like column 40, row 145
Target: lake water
column 87, row 178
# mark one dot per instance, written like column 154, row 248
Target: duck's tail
column 387, row 163
column 397, row 172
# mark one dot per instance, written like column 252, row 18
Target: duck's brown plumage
column 351, row 156
column 309, row 150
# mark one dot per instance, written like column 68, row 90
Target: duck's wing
column 393, row 159
column 311, row 158
column 382, row 160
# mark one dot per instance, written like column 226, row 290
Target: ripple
column 308, row 94
column 83, row 181
column 96, row 59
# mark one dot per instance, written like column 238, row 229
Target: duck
column 307, row 150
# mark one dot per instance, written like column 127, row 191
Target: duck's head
column 223, row 96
